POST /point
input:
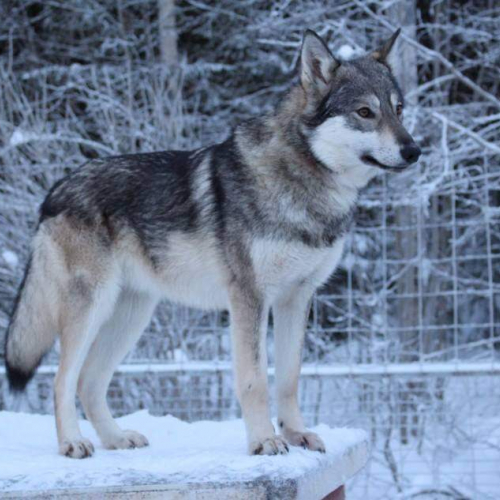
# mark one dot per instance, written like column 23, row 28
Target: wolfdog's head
column 353, row 109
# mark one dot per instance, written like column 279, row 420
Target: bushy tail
column 31, row 332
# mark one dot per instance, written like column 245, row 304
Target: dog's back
column 138, row 191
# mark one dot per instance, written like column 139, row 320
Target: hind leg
column 84, row 310
column 116, row 337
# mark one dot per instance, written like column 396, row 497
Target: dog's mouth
column 370, row 160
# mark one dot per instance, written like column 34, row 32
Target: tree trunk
column 405, row 68
column 168, row 33
column 407, row 314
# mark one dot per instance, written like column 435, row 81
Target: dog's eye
column 399, row 109
column 365, row 112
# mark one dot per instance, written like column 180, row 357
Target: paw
column 274, row 445
column 308, row 440
column 126, row 440
column 76, row 448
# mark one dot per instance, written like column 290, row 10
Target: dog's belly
column 280, row 265
column 189, row 273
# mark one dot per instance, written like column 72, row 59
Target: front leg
column 290, row 319
column 249, row 317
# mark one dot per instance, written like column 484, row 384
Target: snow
column 347, row 52
column 200, row 452
column 10, row 258
column 20, row 136
column 180, row 356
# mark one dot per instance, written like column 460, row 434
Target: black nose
column 410, row 152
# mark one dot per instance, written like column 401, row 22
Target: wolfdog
column 253, row 224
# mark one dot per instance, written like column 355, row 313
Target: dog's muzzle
column 410, row 153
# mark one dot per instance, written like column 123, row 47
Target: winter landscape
column 402, row 342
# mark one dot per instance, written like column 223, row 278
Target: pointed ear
column 317, row 63
column 382, row 54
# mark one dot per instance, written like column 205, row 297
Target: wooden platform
column 198, row 461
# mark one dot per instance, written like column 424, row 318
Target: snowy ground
column 179, row 452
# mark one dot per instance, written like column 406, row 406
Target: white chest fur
column 280, row 265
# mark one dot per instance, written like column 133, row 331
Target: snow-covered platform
column 202, row 460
